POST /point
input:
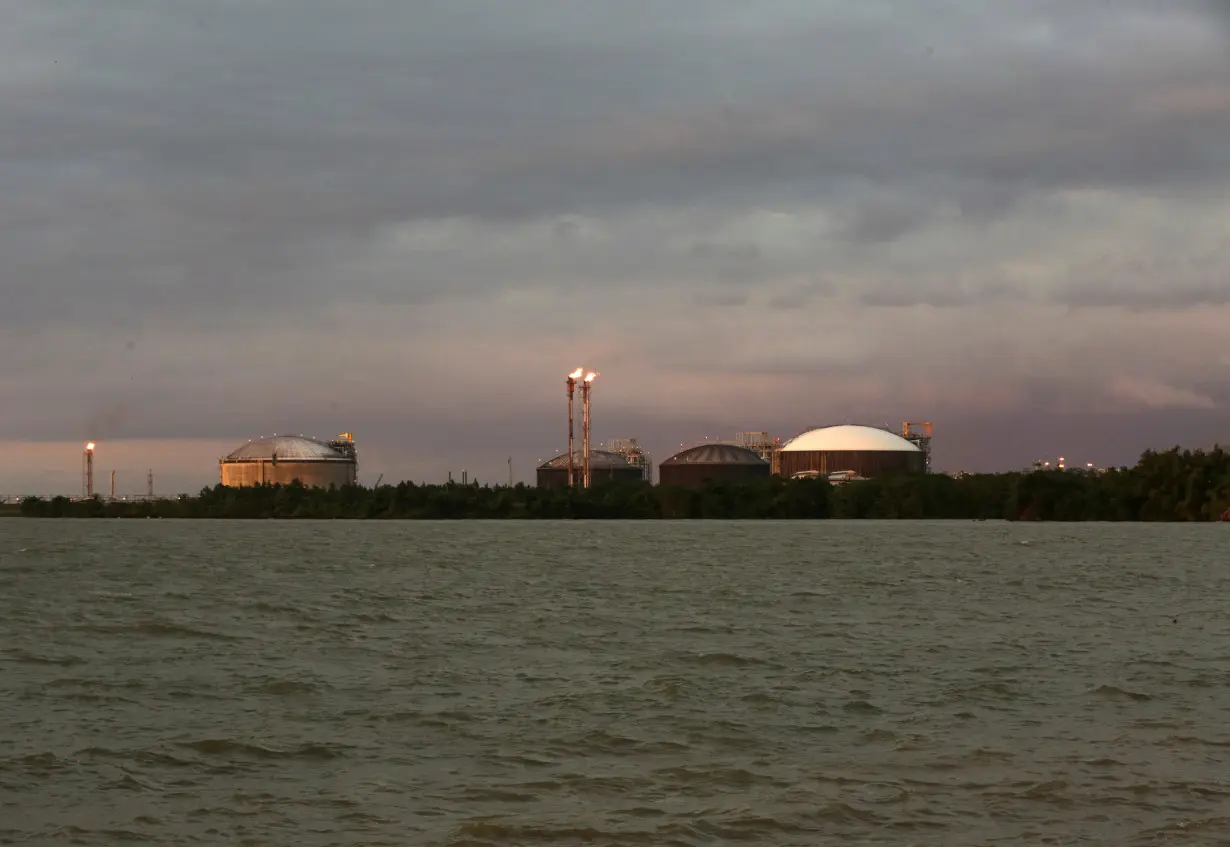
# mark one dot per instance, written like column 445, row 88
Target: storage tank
column 708, row 464
column 604, row 468
column 282, row 459
column 865, row 450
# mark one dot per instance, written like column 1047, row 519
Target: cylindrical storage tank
column 285, row 458
column 866, row 450
column 604, row 468
column 712, row 464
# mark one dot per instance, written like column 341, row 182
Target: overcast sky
column 413, row 219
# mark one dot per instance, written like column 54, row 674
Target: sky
column 411, row 220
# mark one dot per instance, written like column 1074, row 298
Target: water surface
column 653, row 683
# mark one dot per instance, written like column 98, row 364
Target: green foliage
column 1169, row 486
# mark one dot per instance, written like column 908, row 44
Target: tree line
column 1172, row 485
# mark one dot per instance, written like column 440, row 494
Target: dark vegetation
column 1167, row 486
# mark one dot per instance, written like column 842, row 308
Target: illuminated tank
column 282, row 459
column 865, row 450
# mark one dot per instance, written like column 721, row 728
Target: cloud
column 1156, row 395
column 406, row 219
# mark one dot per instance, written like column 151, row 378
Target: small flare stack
column 587, row 380
column 586, row 387
column 88, row 471
column 572, row 387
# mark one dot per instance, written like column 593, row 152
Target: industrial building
column 867, row 451
column 761, row 443
column 635, row 454
column 918, row 433
column 604, row 468
column 710, row 464
column 281, row 459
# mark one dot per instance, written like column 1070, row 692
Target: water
column 606, row 683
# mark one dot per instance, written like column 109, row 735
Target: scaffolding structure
column 634, row 454
column 344, row 444
column 763, row 444
column 918, row 433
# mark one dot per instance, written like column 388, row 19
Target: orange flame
column 90, row 446
column 576, row 374
column 591, row 376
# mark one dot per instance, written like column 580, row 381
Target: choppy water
column 643, row 683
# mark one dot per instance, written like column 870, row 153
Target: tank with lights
column 853, row 451
column 282, row 459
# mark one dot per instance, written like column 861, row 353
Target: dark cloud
column 1174, row 282
column 220, row 216
column 906, row 293
column 800, row 294
column 880, row 222
column 722, row 298
column 1151, row 295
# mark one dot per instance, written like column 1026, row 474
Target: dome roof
column 848, row 438
column 290, row 448
column 715, row 454
column 597, row 459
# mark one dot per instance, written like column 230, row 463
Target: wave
column 231, row 748
column 27, row 657
column 156, row 628
column 1114, row 692
column 75, row 834
column 285, row 688
column 479, row 833
column 723, row 660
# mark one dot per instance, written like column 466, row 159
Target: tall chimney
column 585, row 386
column 113, row 485
column 89, row 470
column 572, row 386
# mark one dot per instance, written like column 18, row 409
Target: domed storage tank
column 604, row 468
column 285, row 458
column 708, row 464
column 865, row 450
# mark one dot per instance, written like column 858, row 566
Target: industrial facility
column 918, row 433
column 867, row 451
column 762, row 444
column 635, row 454
column 603, row 467
column 705, row 464
column 842, row 453
column 282, row 459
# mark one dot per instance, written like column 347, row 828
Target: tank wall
column 868, row 463
column 698, row 476
column 311, row 474
column 558, row 477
